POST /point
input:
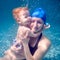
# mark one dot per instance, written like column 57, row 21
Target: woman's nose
column 35, row 24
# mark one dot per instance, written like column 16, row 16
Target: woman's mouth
column 37, row 31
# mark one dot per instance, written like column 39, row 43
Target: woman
column 35, row 48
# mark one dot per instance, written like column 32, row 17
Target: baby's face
column 25, row 17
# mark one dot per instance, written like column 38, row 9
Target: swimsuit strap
column 33, row 49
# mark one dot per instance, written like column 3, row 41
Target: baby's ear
column 46, row 26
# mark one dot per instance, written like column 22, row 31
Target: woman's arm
column 43, row 46
column 27, row 52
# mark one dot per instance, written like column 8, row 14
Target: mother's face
column 37, row 24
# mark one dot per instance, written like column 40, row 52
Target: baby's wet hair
column 16, row 11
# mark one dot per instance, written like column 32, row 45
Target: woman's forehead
column 37, row 19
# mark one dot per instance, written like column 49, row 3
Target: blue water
column 8, row 26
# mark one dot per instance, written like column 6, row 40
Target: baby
column 23, row 18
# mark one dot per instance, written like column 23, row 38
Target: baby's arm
column 22, row 32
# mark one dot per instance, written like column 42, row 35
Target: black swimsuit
column 33, row 49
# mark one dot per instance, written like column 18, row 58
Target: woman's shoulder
column 45, row 42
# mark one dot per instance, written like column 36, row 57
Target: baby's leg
column 6, row 57
column 9, row 54
column 15, row 48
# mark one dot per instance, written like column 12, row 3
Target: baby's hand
column 26, row 32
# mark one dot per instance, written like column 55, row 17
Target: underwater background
column 8, row 26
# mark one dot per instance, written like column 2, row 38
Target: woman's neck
column 33, row 40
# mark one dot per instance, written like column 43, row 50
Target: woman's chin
column 37, row 33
